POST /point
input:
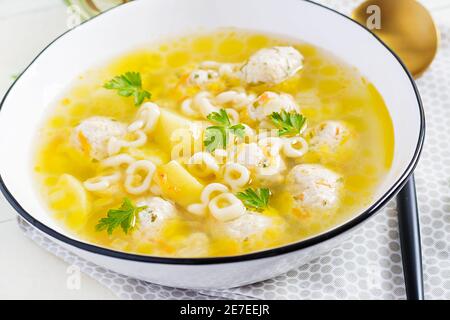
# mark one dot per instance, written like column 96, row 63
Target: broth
column 326, row 89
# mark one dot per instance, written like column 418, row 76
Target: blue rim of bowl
column 250, row 256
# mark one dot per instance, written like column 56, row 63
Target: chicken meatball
column 251, row 224
column 272, row 65
column 331, row 134
column 157, row 212
column 249, row 155
column 195, row 245
column 92, row 135
column 202, row 77
column 314, row 187
column 266, row 167
column 270, row 102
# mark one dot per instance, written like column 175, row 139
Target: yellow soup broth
column 324, row 89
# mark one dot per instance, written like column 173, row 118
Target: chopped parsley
column 124, row 217
column 288, row 124
column 217, row 136
column 255, row 199
column 127, row 85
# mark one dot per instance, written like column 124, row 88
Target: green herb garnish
column 127, row 85
column 255, row 199
column 217, row 136
column 125, row 217
column 288, row 124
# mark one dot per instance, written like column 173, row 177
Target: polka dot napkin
column 367, row 266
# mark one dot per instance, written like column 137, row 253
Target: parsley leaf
column 216, row 137
column 125, row 217
column 127, row 85
column 238, row 130
column 220, row 118
column 255, row 199
column 288, row 124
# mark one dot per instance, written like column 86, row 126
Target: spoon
column 404, row 25
column 408, row 28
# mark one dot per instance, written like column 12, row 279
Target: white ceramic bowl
column 134, row 24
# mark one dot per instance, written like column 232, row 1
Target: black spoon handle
column 408, row 223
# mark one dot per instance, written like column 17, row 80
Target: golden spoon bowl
column 404, row 25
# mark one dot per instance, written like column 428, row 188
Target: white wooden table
column 27, row 271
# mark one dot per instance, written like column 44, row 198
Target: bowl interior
column 140, row 22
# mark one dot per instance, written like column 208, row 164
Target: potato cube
column 178, row 184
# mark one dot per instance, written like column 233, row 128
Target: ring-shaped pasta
column 212, row 190
column 115, row 145
column 101, row 183
column 274, row 166
column 188, row 108
column 133, row 170
column 236, row 175
column 238, row 99
column 291, row 150
column 149, row 112
column 272, row 145
column 224, row 69
column 251, row 111
column 147, row 118
column 220, row 155
column 203, row 164
column 228, row 70
column 136, row 125
column 118, row 160
column 141, row 139
column 226, row 207
column 249, row 135
column 203, row 102
column 198, row 209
